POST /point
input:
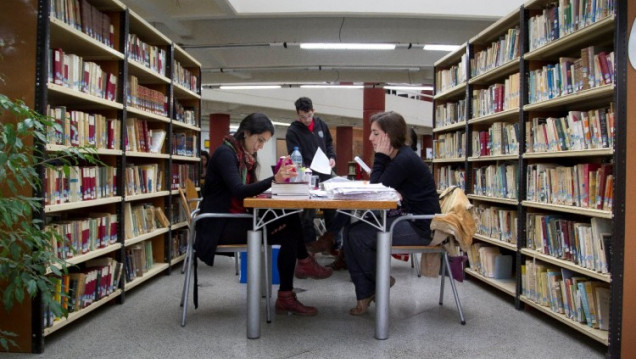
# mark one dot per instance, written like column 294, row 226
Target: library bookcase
column 530, row 119
column 112, row 81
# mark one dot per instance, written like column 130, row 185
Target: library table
column 372, row 212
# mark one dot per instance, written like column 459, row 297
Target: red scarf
column 247, row 165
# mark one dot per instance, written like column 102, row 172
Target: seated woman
column 230, row 177
column 396, row 166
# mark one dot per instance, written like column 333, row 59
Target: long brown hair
column 394, row 125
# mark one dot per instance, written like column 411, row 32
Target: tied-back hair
column 394, row 125
column 254, row 123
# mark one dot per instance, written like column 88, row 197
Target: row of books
column 577, row 297
column 145, row 98
column 71, row 71
column 496, row 180
column 77, row 236
column 185, row 144
column 584, row 243
column 496, row 222
column 78, row 290
column 143, row 218
column 139, row 259
column 504, row 50
column 79, row 183
column 78, row 128
column 450, row 113
column 565, row 17
column 181, row 172
column 185, row 77
column 185, row 114
column 449, row 78
column 141, row 138
column 178, row 243
column 140, row 179
column 579, row 130
column 585, row 185
column 83, row 16
column 448, row 176
column 450, row 145
column 499, row 139
column 497, row 97
column 489, row 261
column 570, row 75
column 152, row 57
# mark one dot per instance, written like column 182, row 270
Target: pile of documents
column 359, row 190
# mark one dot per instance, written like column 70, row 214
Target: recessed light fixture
column 441, row 47
column 346, row 46
column 249, row 87
column 331, row 86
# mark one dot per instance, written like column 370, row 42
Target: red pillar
column 344, row 148
column 372, row 103
column 219, row 128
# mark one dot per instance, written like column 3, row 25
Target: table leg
column 253, row 284
column 383, row 271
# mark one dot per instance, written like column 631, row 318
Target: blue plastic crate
column 275, row 275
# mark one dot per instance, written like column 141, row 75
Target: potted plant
column 27, row 261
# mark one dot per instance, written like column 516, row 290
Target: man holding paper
column 311, row 134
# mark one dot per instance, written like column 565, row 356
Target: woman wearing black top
column 230, row 177
column 396, row 166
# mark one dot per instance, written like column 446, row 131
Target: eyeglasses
column 306, row 116
column 261, row 140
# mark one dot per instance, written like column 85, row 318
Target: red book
column 58, row 60
column 606, row 75
column 85, row 236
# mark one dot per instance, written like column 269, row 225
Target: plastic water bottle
column 297, row 159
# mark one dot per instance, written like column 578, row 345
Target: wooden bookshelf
column 606, row 33
column 44, row 29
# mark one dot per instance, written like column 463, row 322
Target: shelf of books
column 494, row 104
column 541, row 107
column 569, row 164
column 107, row 78
column 185, row 145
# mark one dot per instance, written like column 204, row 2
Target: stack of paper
column 360, row 190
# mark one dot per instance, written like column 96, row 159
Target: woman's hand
column 384, row 145
column 285, row 171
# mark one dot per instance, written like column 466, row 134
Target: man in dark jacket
column 309, row 133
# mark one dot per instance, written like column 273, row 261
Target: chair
column 193, row 199
column 412, row 250
column 190, row 261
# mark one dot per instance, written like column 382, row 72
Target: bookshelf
column 118, row 84
column 542, row 154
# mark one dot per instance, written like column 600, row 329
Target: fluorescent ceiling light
column 249, row 87
column 406, row 88
column 346, row 46
column 441, row 47
column 277, row 123
column 331, row 86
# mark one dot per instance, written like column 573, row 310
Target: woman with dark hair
column 230, row 177
column 396, row 166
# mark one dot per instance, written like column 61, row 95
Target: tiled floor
column 147, row 324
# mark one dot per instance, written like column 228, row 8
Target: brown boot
column 308, row 267
column 323, row 244
column 287, row 303
column 338, row 263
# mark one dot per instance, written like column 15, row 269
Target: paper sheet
column 320, row 163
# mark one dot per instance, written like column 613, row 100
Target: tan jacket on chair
column 456, row 222
column 456, row 219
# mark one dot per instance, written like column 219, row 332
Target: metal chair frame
column 412, row 250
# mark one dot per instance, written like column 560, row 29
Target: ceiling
column 256, row 42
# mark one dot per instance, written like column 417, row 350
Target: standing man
column 309, row 133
